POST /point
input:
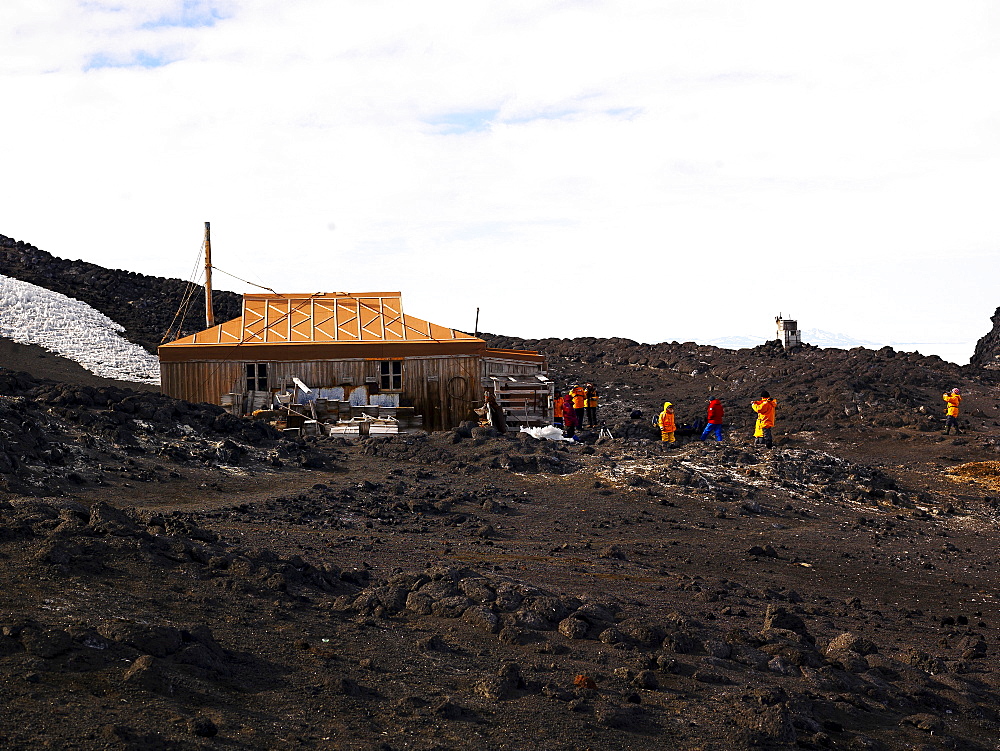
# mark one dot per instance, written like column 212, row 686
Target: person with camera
column 765, row 408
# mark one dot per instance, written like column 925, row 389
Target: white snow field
column 30, row 314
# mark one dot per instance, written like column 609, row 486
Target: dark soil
column 180, row 579
column 30, row 358
column 176, row 578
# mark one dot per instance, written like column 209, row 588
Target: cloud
column 136, row 58
column 633, row 160
column 190, row 14
column 461, row 122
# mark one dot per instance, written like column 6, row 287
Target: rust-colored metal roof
column 332, row 319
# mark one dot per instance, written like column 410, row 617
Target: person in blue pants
column 715, row 414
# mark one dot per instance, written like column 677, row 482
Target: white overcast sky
column 659, row 170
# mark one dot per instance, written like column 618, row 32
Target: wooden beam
column 209, row 310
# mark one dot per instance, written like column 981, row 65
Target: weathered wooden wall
column 201, row 381
column 444, row 389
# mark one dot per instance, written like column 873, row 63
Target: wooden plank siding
column 444, row 389
column 201, row 381
column 496, row 366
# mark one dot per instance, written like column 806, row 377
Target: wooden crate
column 525, row 401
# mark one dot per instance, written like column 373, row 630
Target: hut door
column 256, row 376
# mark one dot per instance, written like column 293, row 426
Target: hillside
column 44, row 365
column 178, row 578
column 821, row 389
column 65, row 326
column 144, row 305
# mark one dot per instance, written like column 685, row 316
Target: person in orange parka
column 590, row 403
column 764, row 407
column 952, row 398
column 715, row 415
column 557, row 409
column 667, row 423
column 579, row 396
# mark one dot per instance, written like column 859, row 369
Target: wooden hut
column 352, row 347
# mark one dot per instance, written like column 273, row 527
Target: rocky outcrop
column 988, row 348
column 59, row 437
column 875, row 388
column 144, row 305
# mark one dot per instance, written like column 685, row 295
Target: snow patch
column 546, row 432
column 30, row 314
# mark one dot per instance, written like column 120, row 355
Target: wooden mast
column 209, row 312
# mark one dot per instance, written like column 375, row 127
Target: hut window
column 391, row 375
column 256, row 376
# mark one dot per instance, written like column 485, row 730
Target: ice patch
column 30, row 314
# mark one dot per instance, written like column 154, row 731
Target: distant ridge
column 145, row 306
column 957, row 352
column 818, row 337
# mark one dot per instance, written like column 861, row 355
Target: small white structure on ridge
column 788, row 332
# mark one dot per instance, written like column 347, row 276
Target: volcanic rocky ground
column 177, row 578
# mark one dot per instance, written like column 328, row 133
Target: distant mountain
column 822, row 338
column 810, row 336
column 957, row 352
column 736, row 342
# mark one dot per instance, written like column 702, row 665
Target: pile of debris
column 298, row 410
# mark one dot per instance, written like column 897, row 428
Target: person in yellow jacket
column 579, row 396
column 590, row 403
column 667, row 423
column 952, row 398
column 764, row 407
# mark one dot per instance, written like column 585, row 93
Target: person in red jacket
column 715, row 414
column 570, row 423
